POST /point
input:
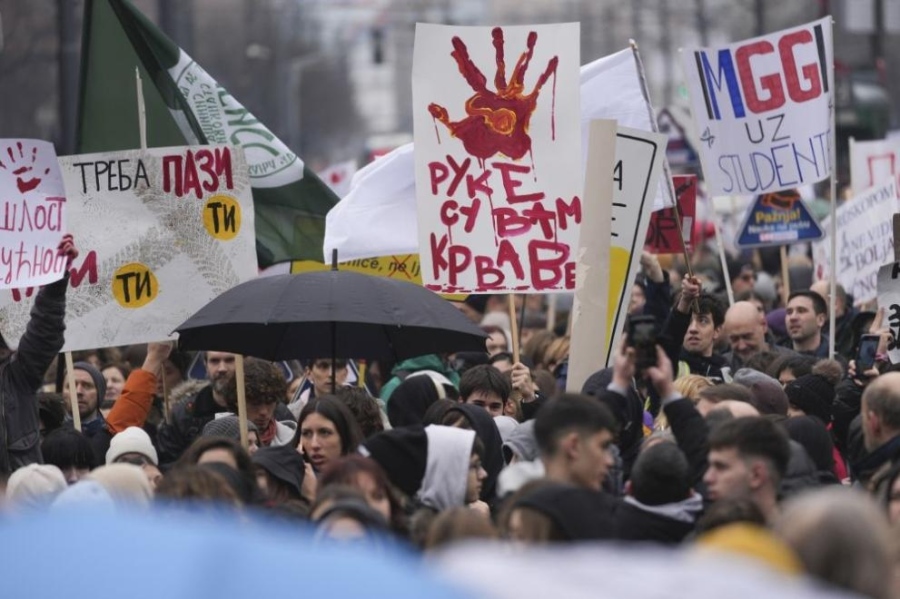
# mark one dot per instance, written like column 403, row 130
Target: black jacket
column 634, row 523
column 22, row 373
column 673, row 343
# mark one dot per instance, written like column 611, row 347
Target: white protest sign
column 32, row 214
column 865, row 241
column 639, row 165
column 872, row 162
column 161, row 232
column 889, row 301
column 763, row 110
column 587, row 352
column 498, row 157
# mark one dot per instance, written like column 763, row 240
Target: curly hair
column 263, row 384
column 364, row 408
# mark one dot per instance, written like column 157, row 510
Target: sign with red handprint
column 498, row 157
column 32, row 214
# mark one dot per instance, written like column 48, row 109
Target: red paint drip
column 553, row 109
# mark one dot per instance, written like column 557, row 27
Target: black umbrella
column 341, row 314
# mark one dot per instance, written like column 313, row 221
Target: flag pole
column 833, row 178
column 670, row 191
column 724, row 260
column 142, row 111
column 785, row 276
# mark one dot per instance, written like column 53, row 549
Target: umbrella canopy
column 334, row 313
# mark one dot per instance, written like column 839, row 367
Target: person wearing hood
column 438, row 466
column 265, row 387
column 279, row 475
column 660, row 504
column 559, row 512
column 472, row 417
column 412, row 398
column 407, row 367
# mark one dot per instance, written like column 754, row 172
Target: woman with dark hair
column 326, row 430
column 227, row 458
column 366, row 475
column 70, row 451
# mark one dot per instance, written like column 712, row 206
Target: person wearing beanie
column 133, row 446
column 401, row 452
column 811, row 395
column 22, row 371
column 768, row 395
column 229, row 426
column 34, row 487
column 90, row 386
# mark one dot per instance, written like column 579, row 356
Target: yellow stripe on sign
column 402, row 267
column 618, row 273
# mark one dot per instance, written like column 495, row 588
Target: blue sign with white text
column 780, row 218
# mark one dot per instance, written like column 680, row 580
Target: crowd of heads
column 739, row 434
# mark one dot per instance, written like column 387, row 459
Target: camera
column 642, row 337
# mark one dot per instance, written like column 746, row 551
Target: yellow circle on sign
column 222, row 217
column 134, row 285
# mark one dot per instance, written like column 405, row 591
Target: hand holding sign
column 67, row 248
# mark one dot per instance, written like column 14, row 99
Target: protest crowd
column 740, row 435
column 738, row 408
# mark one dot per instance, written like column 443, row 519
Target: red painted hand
column 497, row 122
column 25, row 178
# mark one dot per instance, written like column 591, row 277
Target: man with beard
column 196, row 403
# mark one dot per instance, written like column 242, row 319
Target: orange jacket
column 133, row 406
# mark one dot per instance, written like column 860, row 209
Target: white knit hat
column 131, row 440
column 34, row 485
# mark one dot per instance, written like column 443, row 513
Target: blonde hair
column 690, row 386
column 557, row 351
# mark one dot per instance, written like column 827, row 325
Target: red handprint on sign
column 497, row 122
column 25, row 180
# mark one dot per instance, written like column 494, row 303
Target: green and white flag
column 186, row 106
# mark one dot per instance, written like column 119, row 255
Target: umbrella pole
column 333, row 356
column 334, row 267
column 514, row 327
column 242, row 399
